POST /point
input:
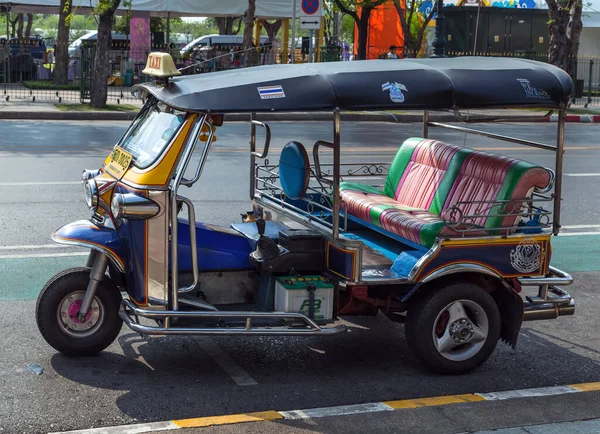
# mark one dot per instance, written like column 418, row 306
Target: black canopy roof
column 445, row 83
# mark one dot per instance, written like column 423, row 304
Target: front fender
column 84, row 233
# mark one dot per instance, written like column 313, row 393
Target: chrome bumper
column 551, row 301
column 129, row 313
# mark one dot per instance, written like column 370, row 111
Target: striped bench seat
column 427, row 177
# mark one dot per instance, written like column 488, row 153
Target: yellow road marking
column 228, row 419
column 434, row 401
column 586, row 387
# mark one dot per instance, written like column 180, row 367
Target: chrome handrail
column 193, row 246
column 267, row 140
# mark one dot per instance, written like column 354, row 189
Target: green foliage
column 48, row 85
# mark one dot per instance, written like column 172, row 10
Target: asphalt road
column 152, row 379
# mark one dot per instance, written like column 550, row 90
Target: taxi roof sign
column 160, row 65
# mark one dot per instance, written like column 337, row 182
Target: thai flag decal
column 270, row 92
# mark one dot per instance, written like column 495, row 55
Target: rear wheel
column 57, row 314
column 453, row 329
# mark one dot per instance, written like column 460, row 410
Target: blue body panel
column 86, row 233
column 218, row 248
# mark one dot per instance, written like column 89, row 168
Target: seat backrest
column 494, row 178
column 422, row 173
column 434, row 176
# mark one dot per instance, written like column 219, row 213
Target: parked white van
column 227, row 40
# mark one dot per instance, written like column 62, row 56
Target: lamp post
column 439, row 41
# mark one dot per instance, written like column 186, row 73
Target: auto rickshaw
column 455, row 243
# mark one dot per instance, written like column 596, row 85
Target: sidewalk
column 69, row 110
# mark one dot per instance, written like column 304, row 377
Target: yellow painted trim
column 434, row 401
column 514, row 239
column 160, row 173
column 228, row 419
column 586, row 387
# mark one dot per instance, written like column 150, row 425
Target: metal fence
column 27, row 67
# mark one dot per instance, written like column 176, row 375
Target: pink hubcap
column 74, row 312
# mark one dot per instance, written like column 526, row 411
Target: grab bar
column 193, row 246
column 267, row 140
column 318, row 172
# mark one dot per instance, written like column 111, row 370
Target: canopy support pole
column 285, row 39
column 558, row 169
column 336, row 173
column 293, row 32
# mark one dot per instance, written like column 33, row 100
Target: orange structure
column 384, row 30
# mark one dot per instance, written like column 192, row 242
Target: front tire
column 57, row 308
column 453, row 329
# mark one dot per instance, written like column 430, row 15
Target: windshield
column 150, row 133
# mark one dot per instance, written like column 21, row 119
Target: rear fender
column 84, row 233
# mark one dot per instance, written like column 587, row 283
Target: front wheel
column 453, row 329
column 58, row 307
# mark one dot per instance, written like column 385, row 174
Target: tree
column 250, row 58
column 106, row 13
column 226, row 25
column 565, row 28
column 351, row 7
column 61, row 54
column 412, row 27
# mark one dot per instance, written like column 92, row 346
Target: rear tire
column 453, row 329
column 58, row 303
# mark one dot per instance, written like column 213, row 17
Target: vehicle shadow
column 174, row 378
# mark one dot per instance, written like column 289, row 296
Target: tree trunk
column 28, row 28
column 363, row 33
column 99, row 88
column 61, row 55
column 565, row 29
column 20, row 28
column 558, row 49
column 250, row 56
column 13, row 25
column 573, row 33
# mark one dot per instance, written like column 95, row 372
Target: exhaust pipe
column 548, row 311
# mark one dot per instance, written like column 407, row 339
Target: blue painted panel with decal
column 218, row 248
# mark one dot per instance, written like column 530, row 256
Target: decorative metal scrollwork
column 369, row 169
column 461, row 219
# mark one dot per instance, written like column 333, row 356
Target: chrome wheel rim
column 67, row 312
column 460, row 330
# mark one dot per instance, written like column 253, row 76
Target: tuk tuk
column 453, row 242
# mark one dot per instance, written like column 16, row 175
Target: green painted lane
column 23, row 278
column 576, row 254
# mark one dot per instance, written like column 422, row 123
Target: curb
column 577, row 118
column 68, row 116
column 272, row 415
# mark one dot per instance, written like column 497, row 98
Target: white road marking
column 43, row 255
column 582, row 174
column 235, row 371
column 572, row 234
column 21, row 184
column 127, row 429
column 580, row 226
column 528, row 393
column 34, row 247
column 336, row 411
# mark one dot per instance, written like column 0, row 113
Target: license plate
column 119, row 163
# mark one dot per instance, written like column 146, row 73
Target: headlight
column 91, row 194
column 133, row 207
column 89, row 174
